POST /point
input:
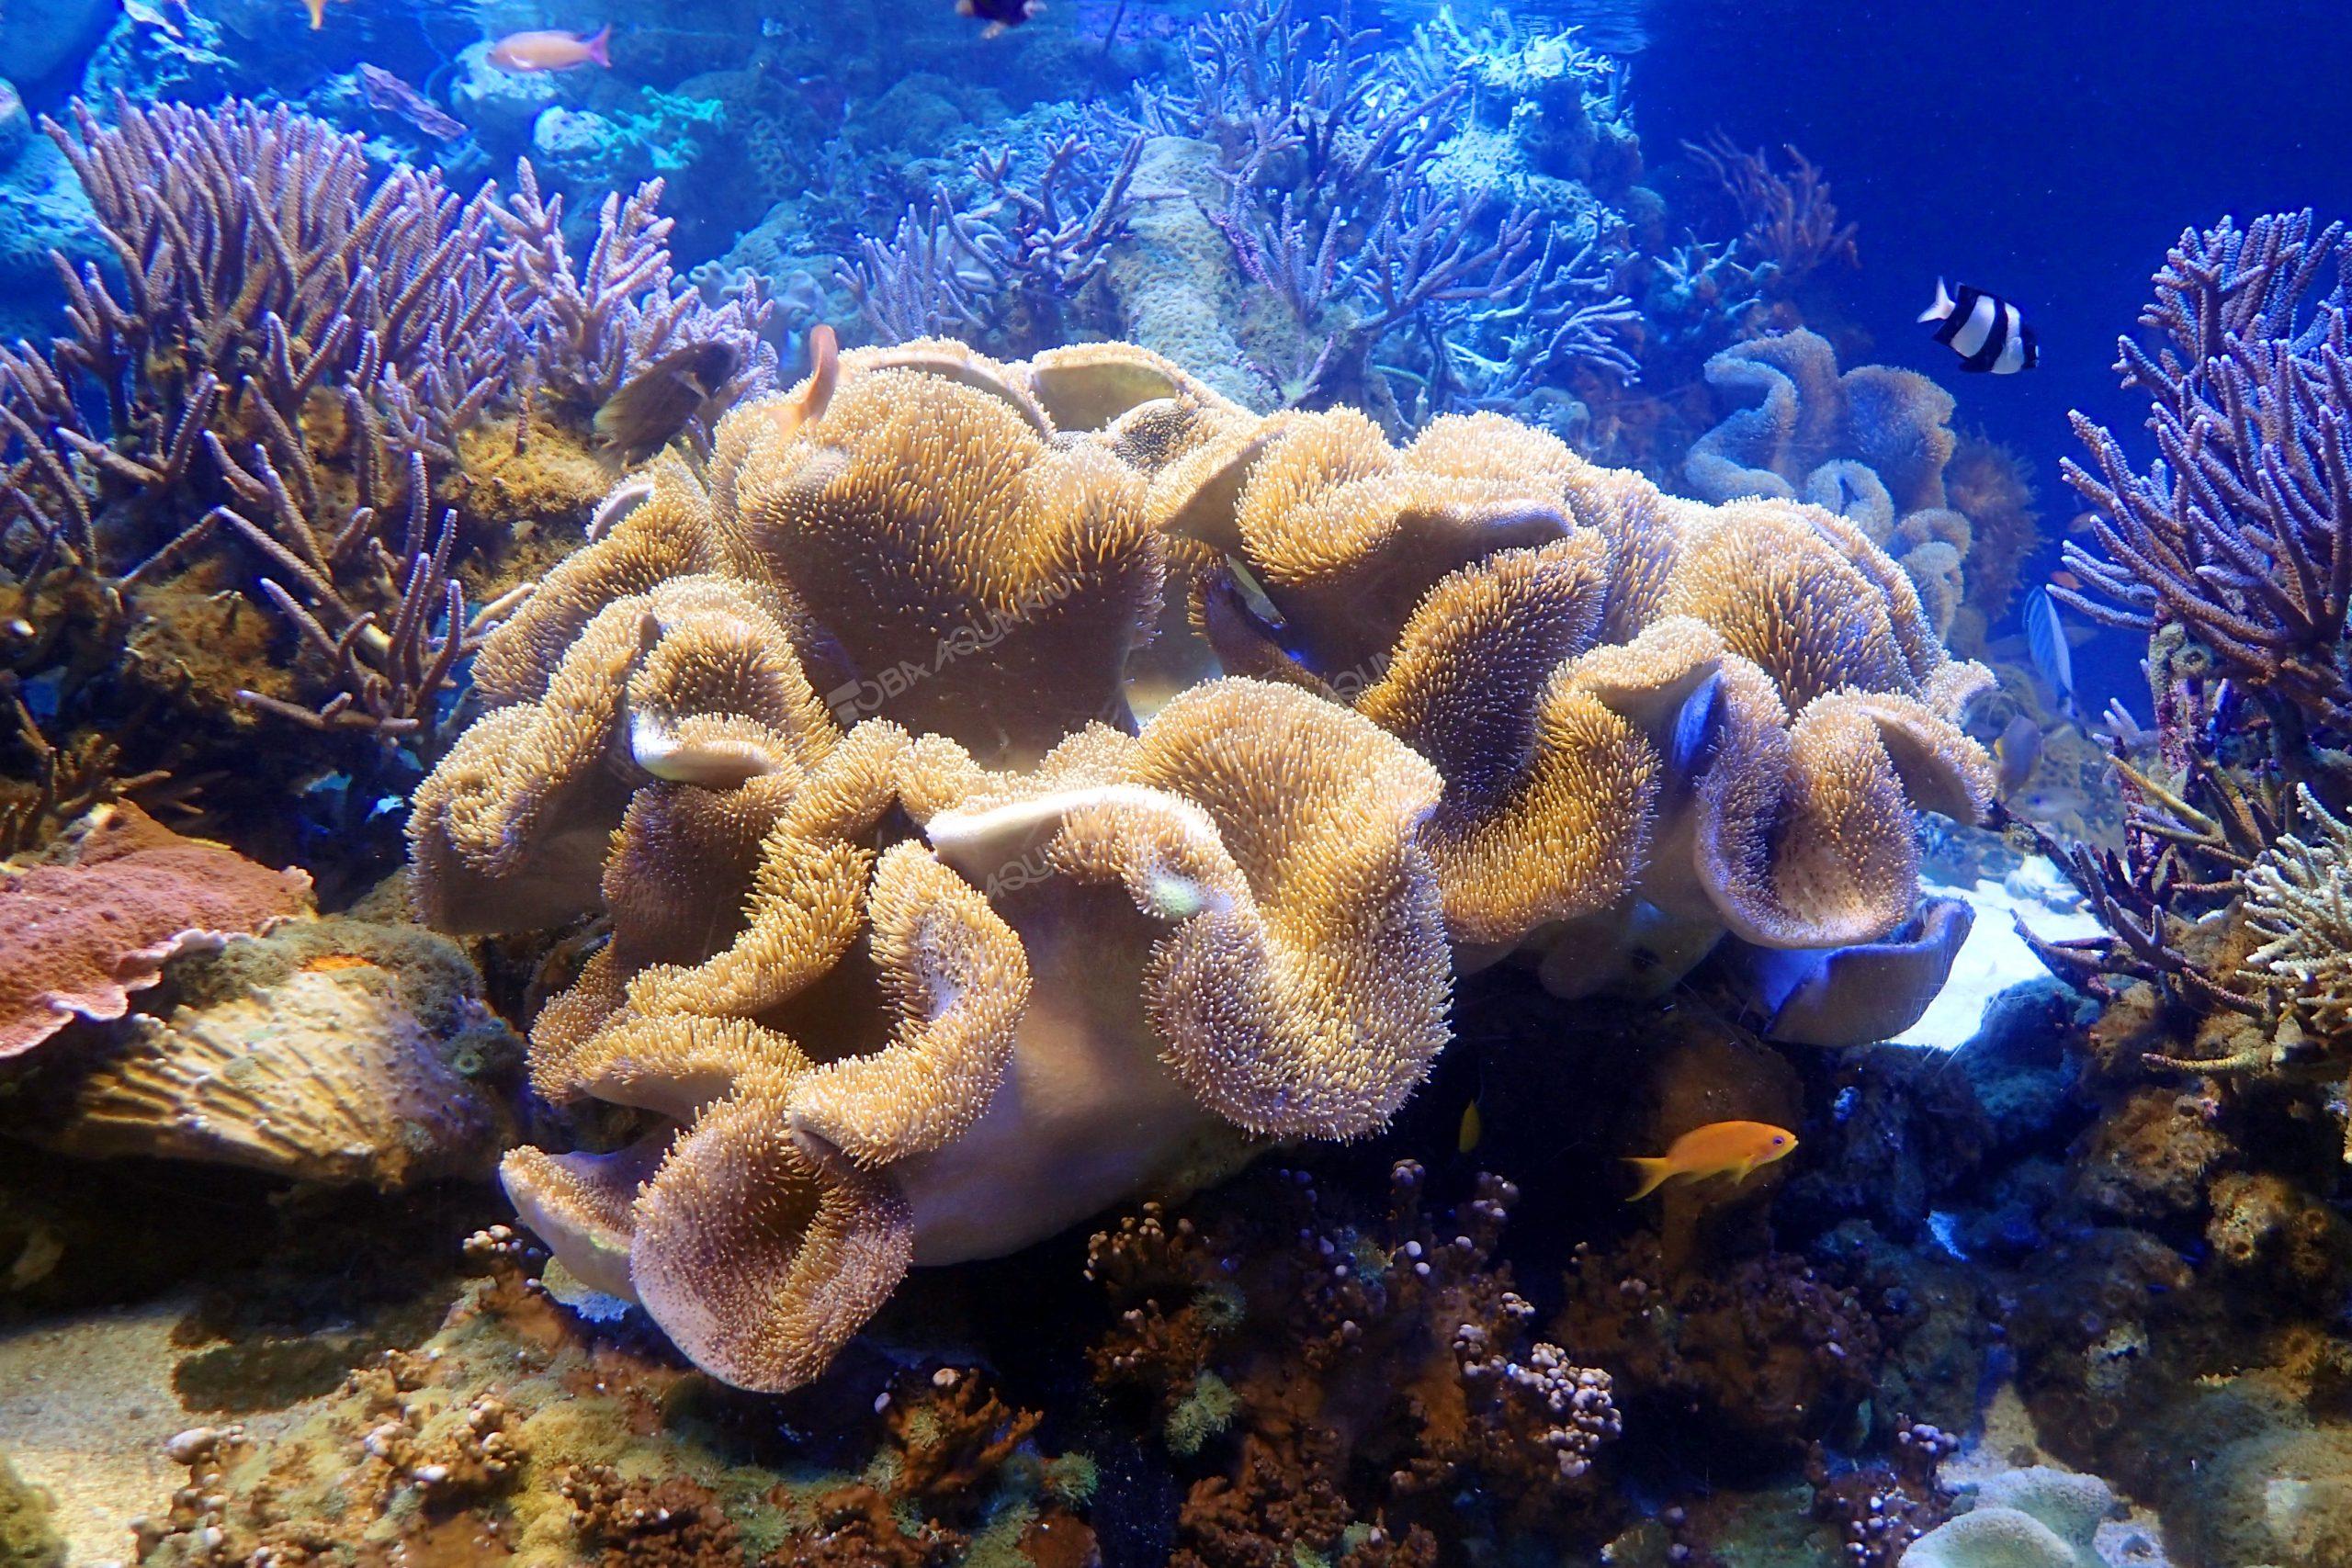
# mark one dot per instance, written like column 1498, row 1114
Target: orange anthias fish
column 525, row 53
column 824, row 374
column 1720, row 1148
column 317, row 9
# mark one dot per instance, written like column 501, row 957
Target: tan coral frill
column 1708, row 720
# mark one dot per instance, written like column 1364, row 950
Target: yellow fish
column 1719, row 1148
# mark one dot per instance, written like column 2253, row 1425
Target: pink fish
column 525, row 54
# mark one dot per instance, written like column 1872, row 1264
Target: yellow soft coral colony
column 921, row 949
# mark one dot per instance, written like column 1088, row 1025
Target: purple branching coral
column 1791, row 228
column 2231, row 553
column 589, row 328
column 1358, row 273
column 931, row 278
column 266, row 398
column 1401, row 294
column 2240, row 532
column 1008, row 269
column 1303, row 105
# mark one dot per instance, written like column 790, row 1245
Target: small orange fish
column 825, row 371
column 317, row 9
column 1719, row 1148
column 2066, row 579
column 526, row 53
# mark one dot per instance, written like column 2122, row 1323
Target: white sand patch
column 86, row 1404
column 1994, row 959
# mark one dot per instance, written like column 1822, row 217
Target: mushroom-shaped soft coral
column 1615, row 700
column 726, row 905
column 774, row 1227
column 1088, row 386
column 1803, row 836
column 1782, row 585
column 1100, row 977
column 1549, row 793
column 1231, row 925
column 695, row 681
column 972, row 578
column 669, row 534
column 1869, row 444
column 1347, row 533
column 1804, row 415
column 1858, row 995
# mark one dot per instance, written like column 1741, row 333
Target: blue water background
column 2048, row 152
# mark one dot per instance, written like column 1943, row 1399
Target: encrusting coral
column 329, row 1050
column 930, row 965
column 97, row 919
column 2035, row 1517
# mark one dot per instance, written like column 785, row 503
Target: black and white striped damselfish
column 1984, row 330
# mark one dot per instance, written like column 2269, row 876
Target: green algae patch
column 28, row 1540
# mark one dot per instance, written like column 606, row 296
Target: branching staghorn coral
column 1269, row 88
column 2230, row 552
column 1357, row 273
column 2299, row 901
column 1792, row 228
column 590, row 327
column 1727, row 283
column 276, row 400
column 2239, row 531
column 1007, row 272
column 1397, row 288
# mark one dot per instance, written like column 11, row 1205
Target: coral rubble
column 510, row 1433
column 1348, row 1387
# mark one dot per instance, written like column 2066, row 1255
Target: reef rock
column 44, row 41
column 334, row 1051
column 2035, row 1517
column 502, row 106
